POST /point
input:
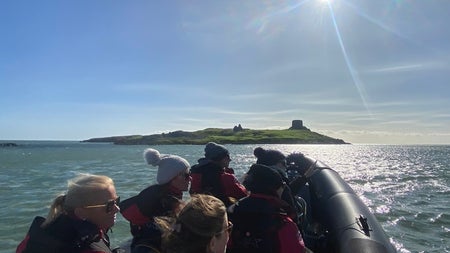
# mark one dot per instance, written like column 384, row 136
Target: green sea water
column 406, row 187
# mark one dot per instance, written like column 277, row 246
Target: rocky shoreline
column 8, row 144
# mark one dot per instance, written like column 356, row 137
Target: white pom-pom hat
column 169, row 166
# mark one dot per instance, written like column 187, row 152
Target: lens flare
column 353, row 72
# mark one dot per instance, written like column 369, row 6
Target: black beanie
column 214, row 151
column 262, row 179
column 268, row 157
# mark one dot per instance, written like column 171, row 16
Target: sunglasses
column 228, row 229
column 109, row 205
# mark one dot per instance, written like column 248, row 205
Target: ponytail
column 56, row 209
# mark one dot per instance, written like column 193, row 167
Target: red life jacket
column 210, row 178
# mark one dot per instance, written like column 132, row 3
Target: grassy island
column 235, row 135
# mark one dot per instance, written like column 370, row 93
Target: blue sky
column 366, row 71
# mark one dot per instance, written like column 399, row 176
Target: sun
column 325, row 1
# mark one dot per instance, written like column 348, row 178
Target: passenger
column 201, row 227
column 212, row 175
column 300, row 168
column 261, row 221
column 78, row 220
column 161, row 199
column 277, row 160
column 272, row 158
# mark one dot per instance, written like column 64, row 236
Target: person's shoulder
column 202, row 164
column 99, row 247
column 151, row 190
column 255, row 203
column 229, row 170
column 229, row 177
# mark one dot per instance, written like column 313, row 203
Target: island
column 8, row 144
column 296, row 134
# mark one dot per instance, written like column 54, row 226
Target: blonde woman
column 78, row 220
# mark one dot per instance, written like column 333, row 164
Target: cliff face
column 225, row 136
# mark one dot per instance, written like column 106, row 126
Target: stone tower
column 297, row 124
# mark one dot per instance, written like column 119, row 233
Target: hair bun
column 152, row 156
column 259, row 152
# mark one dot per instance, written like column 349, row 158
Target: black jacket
column 65, row 234
column 140, row 211
column 210, row 179
column 257, row 220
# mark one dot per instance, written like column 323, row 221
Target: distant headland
column 296, row 134
column 8, row 144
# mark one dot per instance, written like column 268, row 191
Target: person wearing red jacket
column 161, row 199
column 261, row 221
column 78, row 220
column 213, row 176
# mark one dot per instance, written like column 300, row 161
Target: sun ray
column 353, row 73
column 373, row 21
column 260, row 22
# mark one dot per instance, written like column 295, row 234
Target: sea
column 406, row 187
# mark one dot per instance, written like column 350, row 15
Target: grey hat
column 214, row 151
column 169, row 166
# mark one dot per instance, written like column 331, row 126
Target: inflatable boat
column 335, row 218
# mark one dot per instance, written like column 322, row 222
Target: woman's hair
column 198, row 222
column 268, row 157
column 79, row 193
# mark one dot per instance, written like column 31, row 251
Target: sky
column 365, row 71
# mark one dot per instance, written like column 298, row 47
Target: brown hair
column 199, row 221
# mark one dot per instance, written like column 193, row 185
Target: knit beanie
column 268, row 157
column 262, row 179
column 214, row 151
column 169, row 166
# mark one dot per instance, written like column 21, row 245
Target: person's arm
column 232, row 187
column 196, row 183
column 290, row 239
column 23, row 245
